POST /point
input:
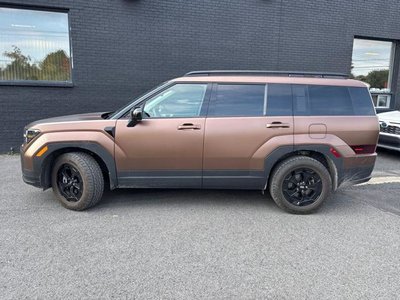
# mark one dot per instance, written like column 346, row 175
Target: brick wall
column 123, row 47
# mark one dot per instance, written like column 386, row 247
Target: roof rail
column 271, row 73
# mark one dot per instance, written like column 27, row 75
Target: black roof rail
column 271, row 73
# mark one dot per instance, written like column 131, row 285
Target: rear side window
column 238, row 100
column 279, row 100
column 329, row 101
column 362, row 101
column 319, row 100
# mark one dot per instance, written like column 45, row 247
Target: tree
column 20, row 68
column 55, row 66
column 378, row 79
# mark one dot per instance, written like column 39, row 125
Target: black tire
column 77, row 180
column 314, row 186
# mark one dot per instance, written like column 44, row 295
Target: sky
column 369, row 55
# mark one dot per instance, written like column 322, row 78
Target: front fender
column 96, row 142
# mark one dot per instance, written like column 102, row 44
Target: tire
column 77, row 180
column 300, row 185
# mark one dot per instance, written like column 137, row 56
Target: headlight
column 30, row 134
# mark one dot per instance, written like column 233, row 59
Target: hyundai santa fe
column 297, row 135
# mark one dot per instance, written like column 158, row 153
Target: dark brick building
column 118, row 49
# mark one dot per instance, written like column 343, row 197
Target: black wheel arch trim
column 335, row 164
column 42, row 164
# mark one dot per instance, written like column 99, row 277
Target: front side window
column 238, row 100
column 34, row 46
column 178, row 101
column 373, row 63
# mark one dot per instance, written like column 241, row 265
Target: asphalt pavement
column 193, row 244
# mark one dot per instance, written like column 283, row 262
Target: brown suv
column 300, row 135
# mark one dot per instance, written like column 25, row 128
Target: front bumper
column 30, row 176
column 389, row 141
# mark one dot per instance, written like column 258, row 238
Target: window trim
column 265, row 100
column 44, row 83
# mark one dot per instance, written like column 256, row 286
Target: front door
column 165, row 149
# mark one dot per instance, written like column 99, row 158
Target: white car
column 389, row 135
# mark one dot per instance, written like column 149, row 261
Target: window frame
column 393, row 70
column 44, row 83
column 213, row 99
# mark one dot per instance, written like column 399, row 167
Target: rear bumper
column 389, row 141
column 357, row 169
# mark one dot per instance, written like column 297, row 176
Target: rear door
column 245, row 122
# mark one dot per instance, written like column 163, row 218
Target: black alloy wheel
column 302, row 186
column 70, row 183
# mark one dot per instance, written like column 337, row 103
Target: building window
column 34, row 46
column 373, row 63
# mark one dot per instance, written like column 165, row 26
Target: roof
column 264, row 77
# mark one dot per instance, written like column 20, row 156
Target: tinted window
column 329, row 101
column 362, row 102
column 319, row 100
column 180, row 100
column 300, row 100
column 238, row 100
column 279, row 101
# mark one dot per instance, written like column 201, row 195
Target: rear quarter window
column 362, row 101
column 329, row 101
column 321, row 100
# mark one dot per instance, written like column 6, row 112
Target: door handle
column 278, row 125
column 187, row 126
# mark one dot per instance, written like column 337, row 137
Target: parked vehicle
column 389, row 135
column 298, row 135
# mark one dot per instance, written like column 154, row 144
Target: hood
column 70, row 118
column 390, row 116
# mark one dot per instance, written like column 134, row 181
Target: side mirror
column 136, row 115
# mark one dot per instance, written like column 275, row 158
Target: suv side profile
column 298, row 135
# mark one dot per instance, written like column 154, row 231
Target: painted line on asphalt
column 382, row 180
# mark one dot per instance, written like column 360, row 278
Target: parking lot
column 185, row 244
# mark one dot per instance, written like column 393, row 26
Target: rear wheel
column 300, row 184
column 77, row 181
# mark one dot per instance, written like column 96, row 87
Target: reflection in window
column 372, row 63
column 179, row 101
column 34, row 45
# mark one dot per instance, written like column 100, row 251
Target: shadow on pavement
column 133, row 198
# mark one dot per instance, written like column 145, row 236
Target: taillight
column 335, row 152
column 363, row 149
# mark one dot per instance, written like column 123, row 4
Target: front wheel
column 300, row 184
column 77, row 180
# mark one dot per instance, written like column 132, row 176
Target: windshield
column 119, row 112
